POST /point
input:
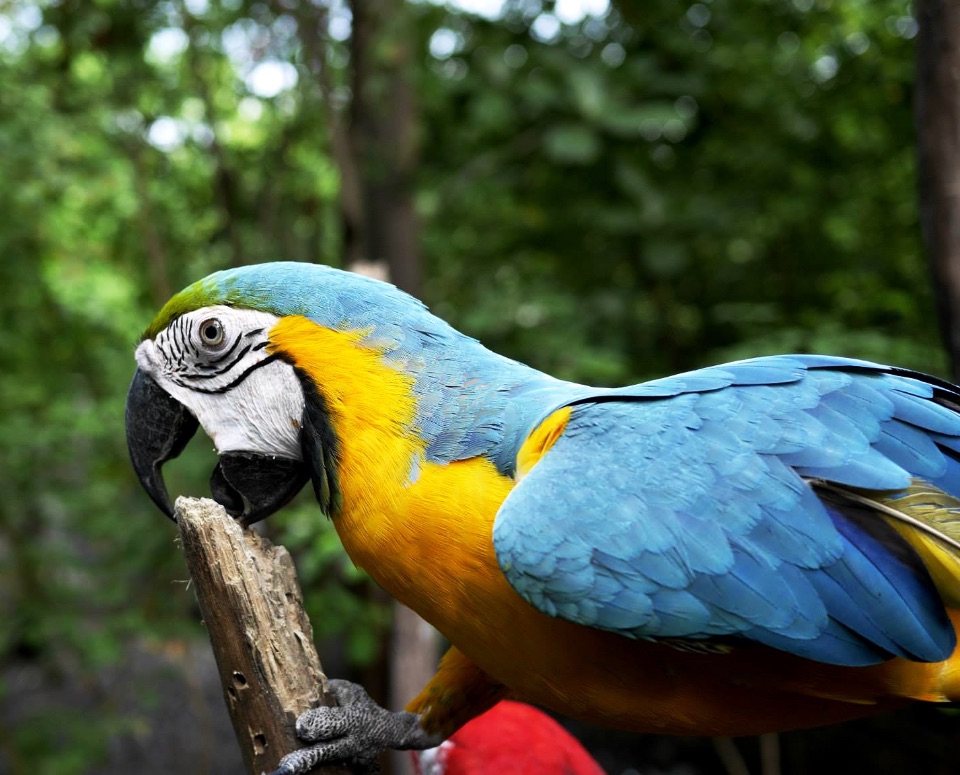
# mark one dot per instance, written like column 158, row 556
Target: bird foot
column 353, row 732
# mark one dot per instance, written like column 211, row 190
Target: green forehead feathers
column 202, row 293
column 218, row 288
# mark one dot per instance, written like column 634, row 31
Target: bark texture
column 252, row 607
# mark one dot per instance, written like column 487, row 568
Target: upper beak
column 249, row 485
column 158, row 428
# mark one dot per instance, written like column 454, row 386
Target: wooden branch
column 252, row 607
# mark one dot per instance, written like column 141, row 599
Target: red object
column 509, row 739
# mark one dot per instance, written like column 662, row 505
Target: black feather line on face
column 225, row 367
column 183, row 335
column 320, row 447
column 230, row 385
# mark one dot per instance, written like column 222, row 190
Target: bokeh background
column 610, row 191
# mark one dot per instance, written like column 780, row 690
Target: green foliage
column 661, row 192
column 638, row 193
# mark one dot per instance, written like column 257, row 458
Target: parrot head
column 304, row 373
column 208, row 360
column 211, row 367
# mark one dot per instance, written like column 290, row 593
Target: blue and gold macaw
column 763, row 545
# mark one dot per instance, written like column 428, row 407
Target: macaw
column 511, row 738
column 757, row 546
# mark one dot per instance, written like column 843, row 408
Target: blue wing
column 691, row 508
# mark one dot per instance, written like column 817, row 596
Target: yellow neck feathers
column 402, row 517
column 371, row 407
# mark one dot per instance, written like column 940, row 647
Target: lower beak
column 249, row 485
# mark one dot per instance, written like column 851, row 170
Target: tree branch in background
column 313, row 20
column 384, row 138
column 252, row 607
column 224, row 183
column 158, row 272
column 938, row 158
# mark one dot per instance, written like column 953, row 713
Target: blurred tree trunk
column 938, row 144
column 413, row 661
column 383, row 140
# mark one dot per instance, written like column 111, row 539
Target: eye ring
column 211, row 332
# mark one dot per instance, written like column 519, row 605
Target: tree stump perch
column 262, row 640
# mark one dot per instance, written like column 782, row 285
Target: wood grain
column 252, row 607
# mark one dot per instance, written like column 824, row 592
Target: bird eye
column 211, row 332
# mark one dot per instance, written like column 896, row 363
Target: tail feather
column 880, row 566
column 928, row 519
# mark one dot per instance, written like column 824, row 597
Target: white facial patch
column 215, row 362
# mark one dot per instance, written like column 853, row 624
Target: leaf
column 572, row 143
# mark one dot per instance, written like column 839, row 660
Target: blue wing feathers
column 870, row 471
column 890, row 589
column 923, row 413
column 861, row 412
column 837, row 644
column 914, row 450
column 697, row 517
column 751, row 590
column 679, row 613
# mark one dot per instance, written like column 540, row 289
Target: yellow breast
column 408, row 522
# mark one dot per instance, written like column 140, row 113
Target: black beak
column 249, row 485
column 158, row 428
